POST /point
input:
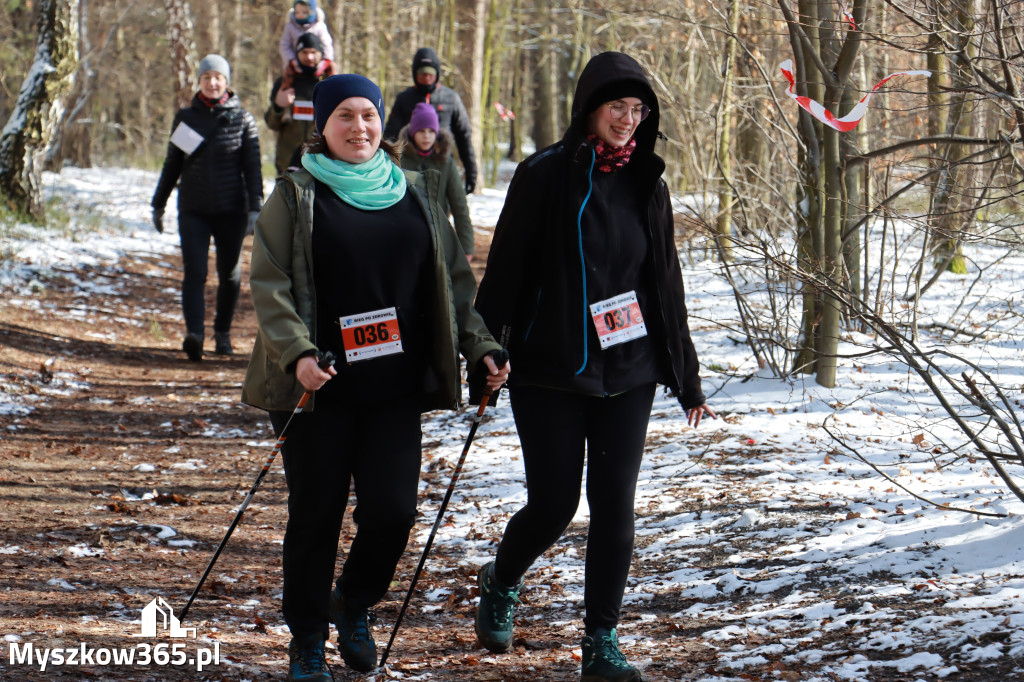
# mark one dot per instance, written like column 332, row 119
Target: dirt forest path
column 118, row 486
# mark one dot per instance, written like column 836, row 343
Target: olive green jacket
column 283, row 293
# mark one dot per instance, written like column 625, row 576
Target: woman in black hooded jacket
column 583, row 286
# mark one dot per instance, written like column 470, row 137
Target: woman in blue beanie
column 354, row 256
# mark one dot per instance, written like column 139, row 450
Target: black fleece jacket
column 533, row 295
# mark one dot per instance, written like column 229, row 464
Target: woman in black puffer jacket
column 583, row 286
column 215, row 152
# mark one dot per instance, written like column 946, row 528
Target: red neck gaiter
column 214, row 102
column 610, row 158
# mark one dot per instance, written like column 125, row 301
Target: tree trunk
column 726, row 197
column 950, row 200
column 38, row 109
column 809, row 192
column 476, row 110
column 182, row 41
column 544, row 114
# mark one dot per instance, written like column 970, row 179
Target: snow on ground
column 758, row 522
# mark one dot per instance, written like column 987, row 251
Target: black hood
column 601, row 72
column 425, row 56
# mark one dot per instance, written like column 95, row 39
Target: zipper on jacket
column 536, row 311
column 583, row 263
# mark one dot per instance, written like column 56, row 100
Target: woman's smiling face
column 353, row 130
column 616, row 131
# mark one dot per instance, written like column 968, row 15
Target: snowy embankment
column 757, row 530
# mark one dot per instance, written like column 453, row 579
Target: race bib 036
column 370, row 335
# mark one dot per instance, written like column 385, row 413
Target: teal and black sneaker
column 604, row 662
column 494, row 613
column 355, row 642
column 306, row 662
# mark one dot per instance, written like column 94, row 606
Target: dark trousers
column 228, row 232
column 378, row 448
column 558, row 430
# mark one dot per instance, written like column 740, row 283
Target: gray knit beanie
column 214, row 62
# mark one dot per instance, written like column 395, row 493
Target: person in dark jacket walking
column 215, row 153
column 427, row 146
column 451, row 113
column 584, row 288
column 290, row 113
column 354, row 256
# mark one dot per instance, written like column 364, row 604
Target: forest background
column 774, row 185
column 823, row 232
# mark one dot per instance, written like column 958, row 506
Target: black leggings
column 228, row 232
column 557, row 431
column 379, row 448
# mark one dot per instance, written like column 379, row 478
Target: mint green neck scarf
column 372, row 185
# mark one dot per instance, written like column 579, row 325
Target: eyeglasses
column 619, row 109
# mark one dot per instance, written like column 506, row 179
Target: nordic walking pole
column 325, row 361
column 500, row 359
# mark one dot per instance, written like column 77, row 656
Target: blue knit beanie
column 331, row 92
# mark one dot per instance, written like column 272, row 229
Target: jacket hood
column 425, row 56
column 605, row 70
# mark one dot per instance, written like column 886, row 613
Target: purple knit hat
column 423, row 116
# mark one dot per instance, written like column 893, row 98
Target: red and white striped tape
column 846, row 15
column 818, row 111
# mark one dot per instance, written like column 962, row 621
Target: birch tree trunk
column 38, row 109
column 181, row 38
column 476, row 111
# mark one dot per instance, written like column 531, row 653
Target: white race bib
column 186, row 139
column 370, row 335
column 302, row 110
column 618, row 319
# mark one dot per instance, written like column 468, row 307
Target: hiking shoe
column 604, row 662
column 355, row 642
column 306, row 660
column 222, row 343
column 494, row 612
column 193, row 347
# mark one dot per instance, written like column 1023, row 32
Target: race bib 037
column 618, row 319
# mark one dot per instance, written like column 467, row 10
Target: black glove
column 470, row 185
column 250, row 227
column 158, row 219
column 477, row 378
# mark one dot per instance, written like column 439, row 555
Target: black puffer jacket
column 451, row 113
column 533, row 291
column 223, row 175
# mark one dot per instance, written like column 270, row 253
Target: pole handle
column 327, row 359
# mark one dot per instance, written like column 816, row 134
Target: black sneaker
column 306, row 659
column 494, row 612
column 193, row 347
column 604, row 662
column 355, row 642
column 222, row 343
